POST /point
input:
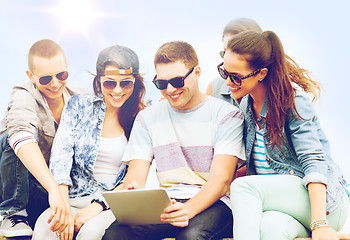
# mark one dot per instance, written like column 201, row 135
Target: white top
column 108, row 159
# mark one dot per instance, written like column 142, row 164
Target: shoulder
column 27, row 94
column 222, row 108
column 303, row 104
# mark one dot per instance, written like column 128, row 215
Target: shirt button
column 291, row 172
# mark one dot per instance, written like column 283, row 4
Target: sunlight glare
column 76, row 15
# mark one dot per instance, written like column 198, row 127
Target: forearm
column 137, row 172
column 211, row 192
column 221, row 176
column 64, row 190
column 317, row 194
column 33, row 160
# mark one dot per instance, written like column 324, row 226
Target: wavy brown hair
column 132, row 105
column 265, row 50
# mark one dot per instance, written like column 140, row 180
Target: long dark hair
column 265, row 50
column 132, row 105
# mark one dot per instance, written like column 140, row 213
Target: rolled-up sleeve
column 21, row 120
column 304, row 133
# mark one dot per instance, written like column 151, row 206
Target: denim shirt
column 76, row 145
column 305, row 151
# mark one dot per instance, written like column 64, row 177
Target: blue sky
column 314, row 33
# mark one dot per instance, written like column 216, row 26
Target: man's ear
column 30, row 75
column 197, row 71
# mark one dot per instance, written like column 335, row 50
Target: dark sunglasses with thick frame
column 177, row 82
column 62, row 76
column 125, row 84
column 236, row 80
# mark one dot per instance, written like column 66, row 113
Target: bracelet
column 103, row 205
column 319, row 223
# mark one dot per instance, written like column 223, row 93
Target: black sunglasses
column 177, row 82
column 62, row 76
column 124, row 84
column 233, row 77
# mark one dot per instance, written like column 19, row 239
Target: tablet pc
column 138, row 206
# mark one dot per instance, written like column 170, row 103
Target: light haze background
column 314, row 33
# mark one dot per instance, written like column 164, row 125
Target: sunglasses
column 177, row 82
column 222, row 53
column 124, row 84
column 62, row 76
column 233, row 77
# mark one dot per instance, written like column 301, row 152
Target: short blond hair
column 45, row 48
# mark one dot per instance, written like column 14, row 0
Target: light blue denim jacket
column 305, row 152
column 76, row 144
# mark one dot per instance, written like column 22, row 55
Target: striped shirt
column 184, row 142
column 259, row 155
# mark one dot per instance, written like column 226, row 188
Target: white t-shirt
column 108, row 159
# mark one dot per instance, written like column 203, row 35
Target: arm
column 221, row 175
column 34, row 161
column 317, row 193
column 312, row 159
column 137, row 174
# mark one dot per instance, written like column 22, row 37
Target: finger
column 174, row 220
column 56, row 222
column 174, row 214
column 343, row 236
column 70, row 231
column 52, row 214
column 78, row 224
column 174, row 207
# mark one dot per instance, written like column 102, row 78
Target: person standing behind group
column 196, row 141
column 298, row 187
column 218, row 88
column 28, row 130
column 90, row 142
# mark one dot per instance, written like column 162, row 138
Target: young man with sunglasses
column 28, row 130
column 195, row 141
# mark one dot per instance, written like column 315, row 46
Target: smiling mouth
column 54, row 91
column 234, row 89
column 117, row 97
column 174, row 96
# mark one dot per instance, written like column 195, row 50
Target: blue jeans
column 20, row 190
column 213, row 223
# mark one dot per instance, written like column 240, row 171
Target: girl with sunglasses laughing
column 87, row 151
column 297, row 189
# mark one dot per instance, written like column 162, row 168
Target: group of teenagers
column 62, row 146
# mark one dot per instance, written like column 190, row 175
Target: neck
column 54, row 104
column 258, row 96
column 197, row 99
column 110, row 111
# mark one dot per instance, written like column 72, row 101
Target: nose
column 55, row 83
column 228, row 81
column 170, row 89
column 118, row 89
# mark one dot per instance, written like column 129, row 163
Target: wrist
column 100, row 202
column 318, row 224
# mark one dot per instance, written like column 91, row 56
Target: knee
column 42, row 228
column 193, row 233
column 87, row 233
column 278, row 225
